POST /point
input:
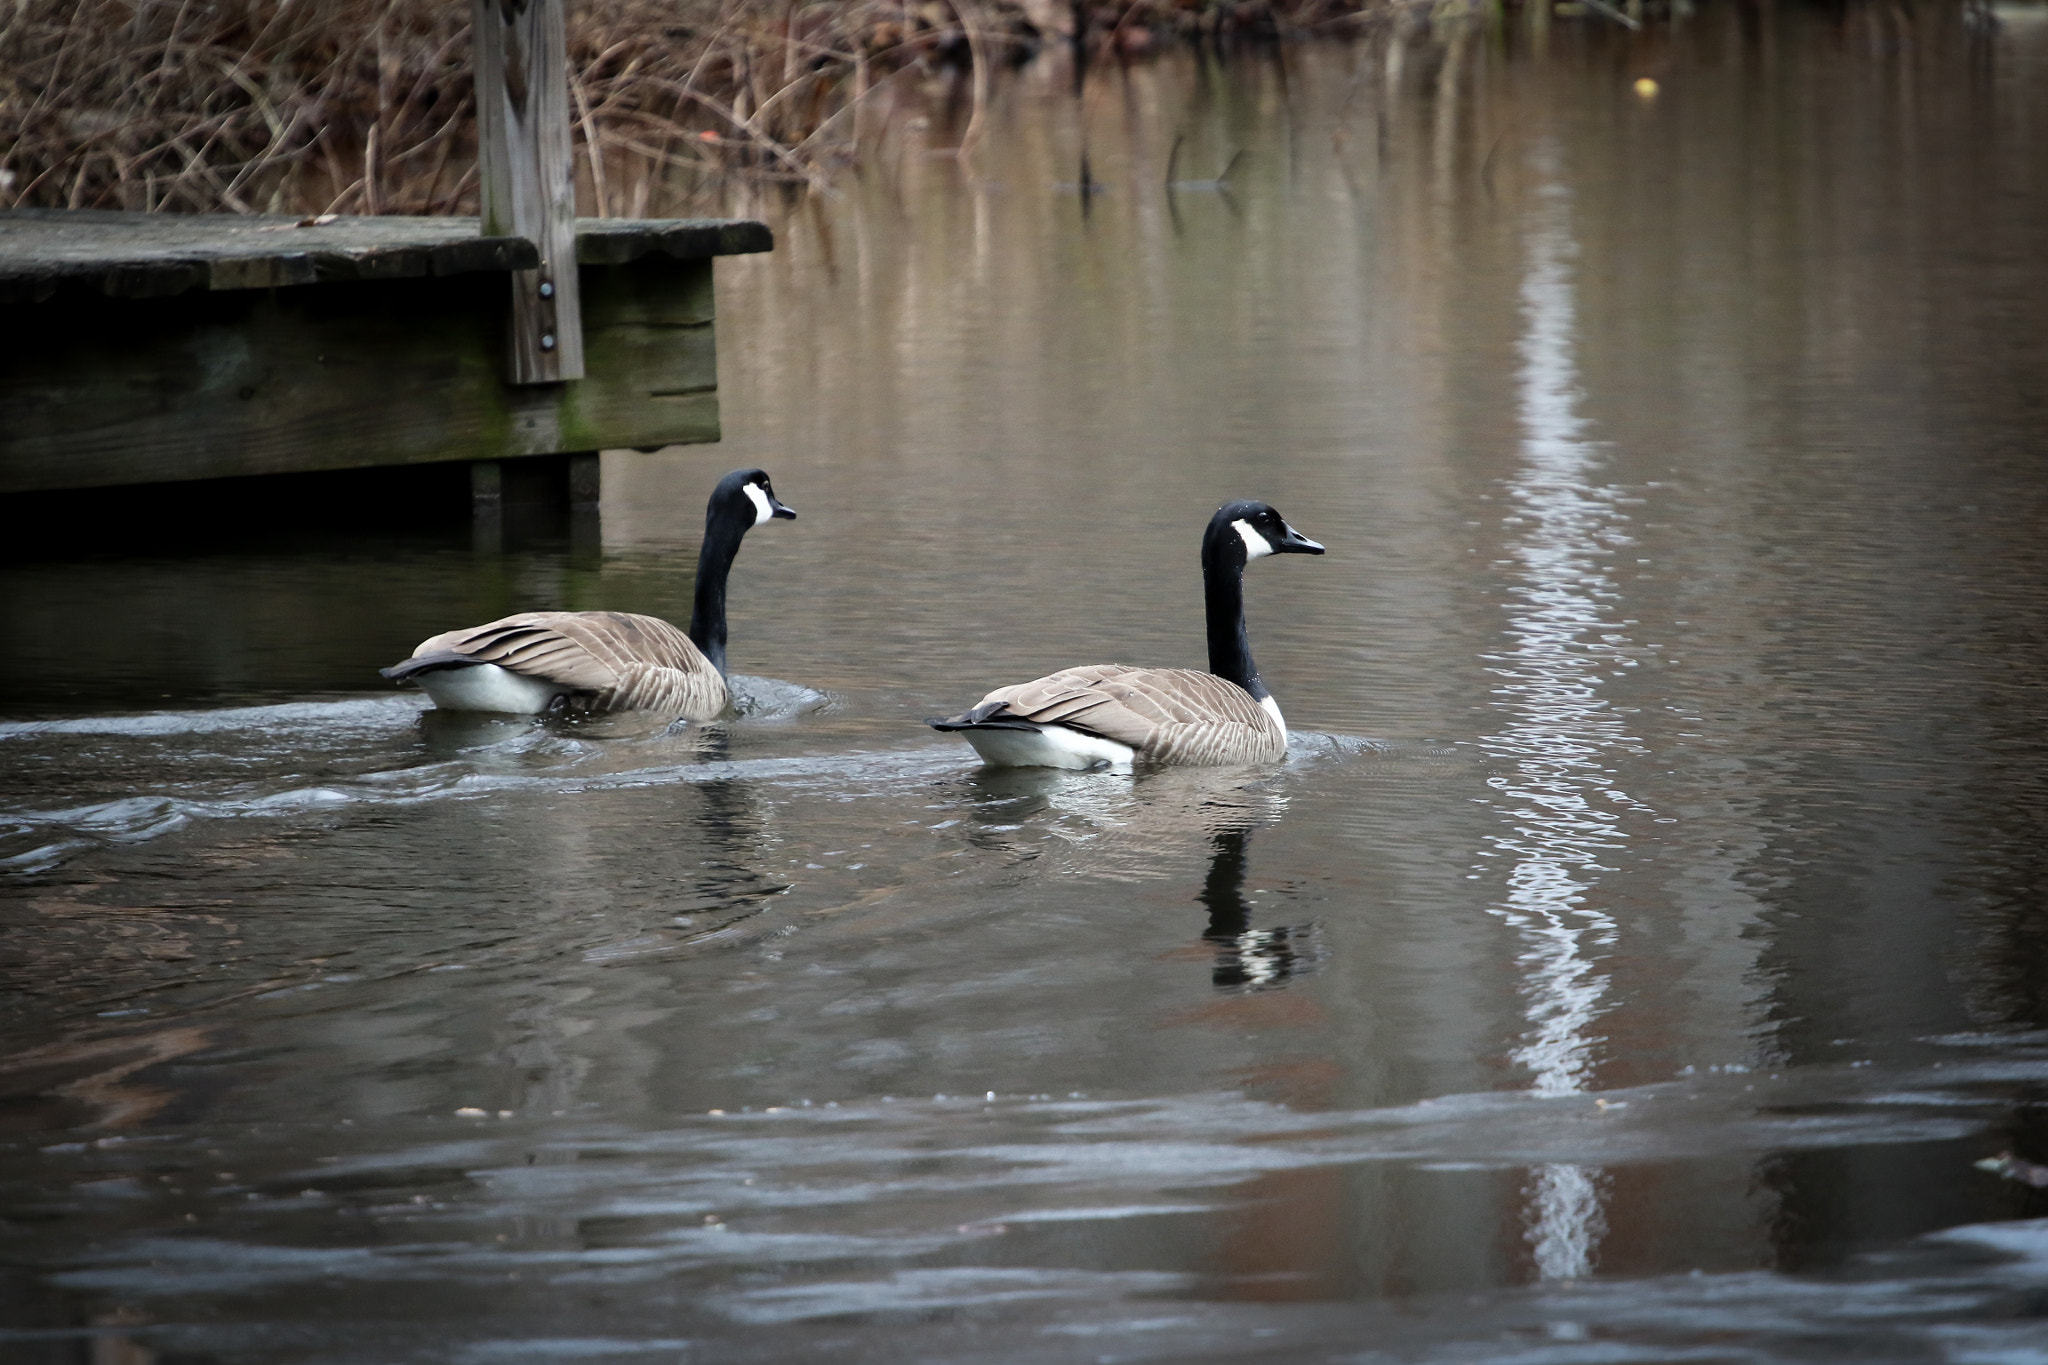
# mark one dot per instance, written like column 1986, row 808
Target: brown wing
column 614, row 660
column 1168, row 715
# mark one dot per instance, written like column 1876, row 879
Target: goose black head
column 745, row 498
column 1255, row 530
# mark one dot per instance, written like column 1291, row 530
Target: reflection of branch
column 978, row 55
column 106, row 1063
column 1602, row 7
column 1486, row 166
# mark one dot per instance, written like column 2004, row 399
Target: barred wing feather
column 1168, row 715
column 607, row 660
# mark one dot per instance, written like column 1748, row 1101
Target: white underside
column 487, row 687
column 1272, row 709
column 1054, row 746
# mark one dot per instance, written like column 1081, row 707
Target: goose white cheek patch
column 764, row 512
column 1254, row 544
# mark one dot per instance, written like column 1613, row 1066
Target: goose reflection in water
column 1121, row 825
column 732, row 824
column 446, row 732
column 1137, row 825
column 715, row 907
column 1248, row 958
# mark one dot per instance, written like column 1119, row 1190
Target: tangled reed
column 365, row 106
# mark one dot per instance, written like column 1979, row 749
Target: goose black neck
column 1223, row 891
column 1230, row 650
column 714, row 565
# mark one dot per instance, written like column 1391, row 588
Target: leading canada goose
column 542, row 661
column 1113, row 715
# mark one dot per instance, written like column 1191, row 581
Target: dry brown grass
column 365, row 106
column 262, row 104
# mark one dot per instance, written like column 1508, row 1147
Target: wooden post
column 586, row 480
column 528, row 184
column 487, row 505
column 586, row 520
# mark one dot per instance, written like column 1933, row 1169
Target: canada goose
column 1112, row 715
column 541, row 661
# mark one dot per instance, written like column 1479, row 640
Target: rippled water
column 1642, row 944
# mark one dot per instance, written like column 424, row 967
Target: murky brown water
column 1644, row 940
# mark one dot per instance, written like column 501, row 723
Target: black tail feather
column 987, row 716
column 427, row 663
column 963, row 723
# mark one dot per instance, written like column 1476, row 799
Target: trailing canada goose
column 1113, row 715
column 541, row 661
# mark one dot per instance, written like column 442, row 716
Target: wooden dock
column 142, row 348
column 145, row 348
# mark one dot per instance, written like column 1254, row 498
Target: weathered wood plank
column 349, row 374
column 527, row 182
column 156, row 255
column 159, row 255
column 619, row 241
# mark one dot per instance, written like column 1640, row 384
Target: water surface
column 1641, row 945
